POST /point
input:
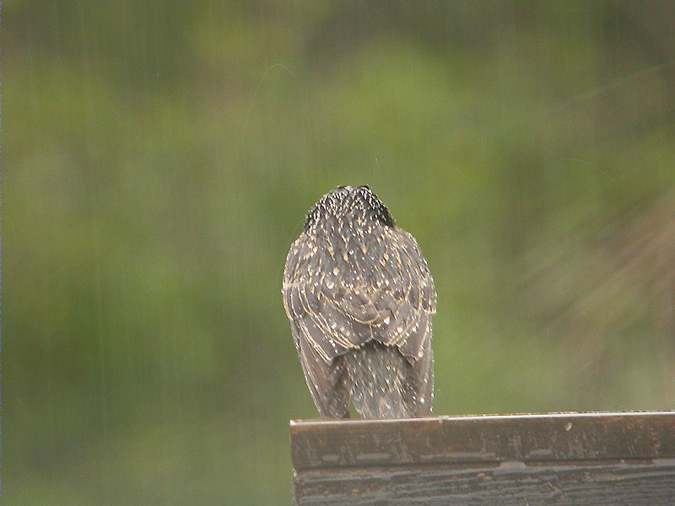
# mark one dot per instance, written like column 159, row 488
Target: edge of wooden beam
column 319, row 444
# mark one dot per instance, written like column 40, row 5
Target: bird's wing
column 406, row 296
column 326, row 381
column 316, row 348
column 340, row 297
column 310, row 293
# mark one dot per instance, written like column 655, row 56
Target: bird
column 360, row 298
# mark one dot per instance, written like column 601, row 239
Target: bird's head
column 356, row 204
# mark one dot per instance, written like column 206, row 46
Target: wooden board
column 573, row 458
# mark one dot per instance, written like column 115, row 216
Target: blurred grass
column 161, row 157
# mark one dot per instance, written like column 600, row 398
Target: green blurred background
column 160, row 157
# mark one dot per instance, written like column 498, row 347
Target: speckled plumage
column 360, row 297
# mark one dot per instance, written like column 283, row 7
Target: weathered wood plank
column 510, row 483
column 575, row 458
column 576, row 436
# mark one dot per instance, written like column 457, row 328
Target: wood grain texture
column 510, row 483
column 593, row 458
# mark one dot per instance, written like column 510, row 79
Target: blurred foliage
column 160, row 158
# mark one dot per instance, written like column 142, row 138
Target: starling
column 359, row 297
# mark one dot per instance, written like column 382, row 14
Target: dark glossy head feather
column 358, row 203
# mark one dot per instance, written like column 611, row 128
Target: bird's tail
column 378, row 381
